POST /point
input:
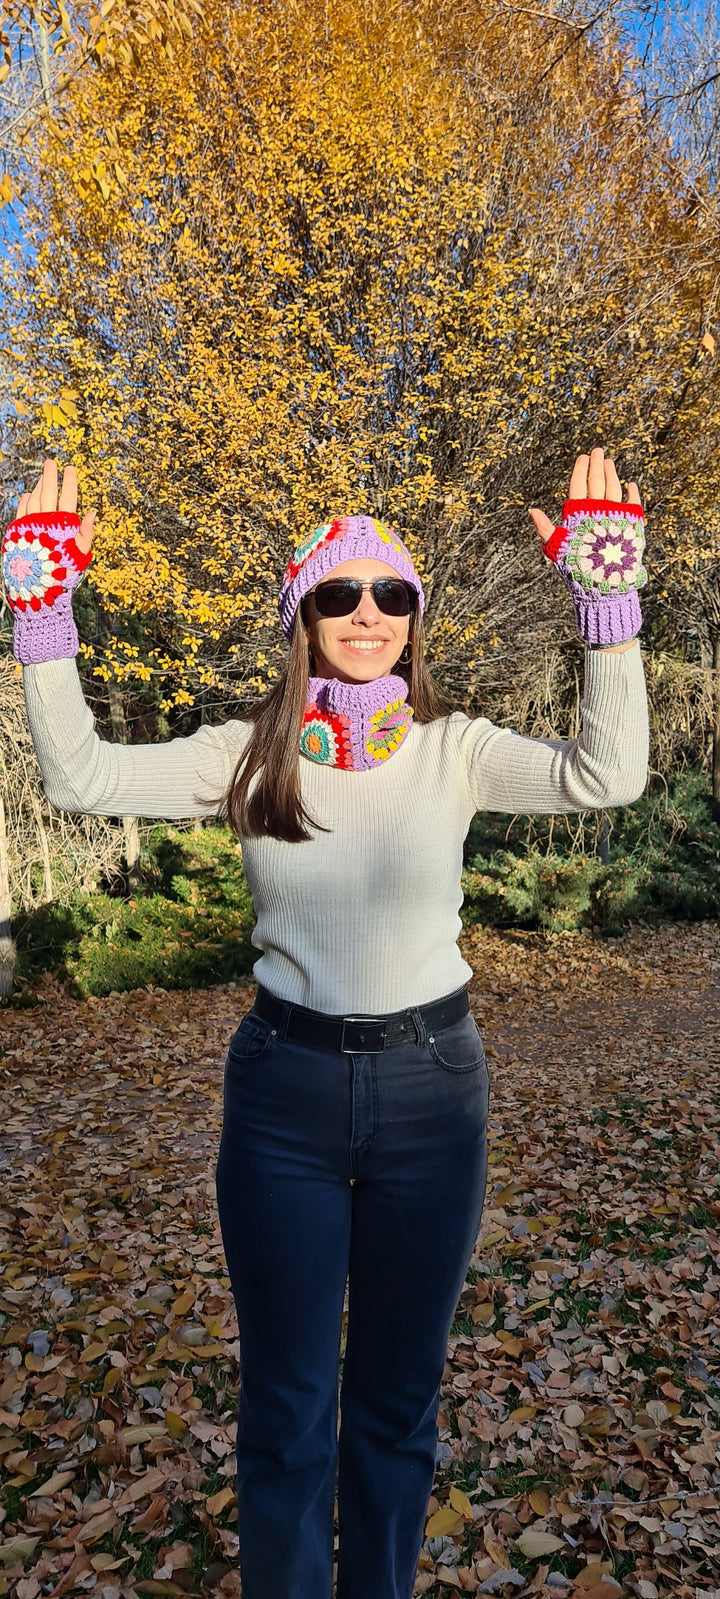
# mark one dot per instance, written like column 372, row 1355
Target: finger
column 578, row 480
column 596, row 474
column 48, row 487
column 543, row 525
column 634, row 494
column 22, row 505
column 33, row 499
column 613, row 490
column 68, row 491
column 87, row 528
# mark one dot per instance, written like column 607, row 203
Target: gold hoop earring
column 403, row 660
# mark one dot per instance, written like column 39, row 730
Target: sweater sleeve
column 82, row 772
column 606, row 765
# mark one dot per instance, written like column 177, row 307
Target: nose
column 367, row 611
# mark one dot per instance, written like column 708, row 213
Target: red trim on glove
column 40, row 522
column 601, row 507
column 555, row 543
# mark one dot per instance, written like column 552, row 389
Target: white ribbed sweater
column 363, row 918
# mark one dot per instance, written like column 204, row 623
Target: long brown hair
column 273, row 805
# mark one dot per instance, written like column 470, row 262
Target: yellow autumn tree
column 398, row 259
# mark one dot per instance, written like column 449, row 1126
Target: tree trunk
column 48, row 886
column 716, row 733
column 604, row 842
column 131, row 831
column 7, row 944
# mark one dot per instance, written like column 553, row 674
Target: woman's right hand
column 45, row 497
column 45, row 553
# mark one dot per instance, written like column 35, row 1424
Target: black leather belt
column 360, row 1035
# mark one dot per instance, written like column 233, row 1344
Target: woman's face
column 363, row 646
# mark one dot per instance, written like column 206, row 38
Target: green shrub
column 187, row 925
column 665, row 864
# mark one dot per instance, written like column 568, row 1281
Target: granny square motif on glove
column 41, row 565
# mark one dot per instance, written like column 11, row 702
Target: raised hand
column 598, row 550
column 45, row 496
column 45, row 552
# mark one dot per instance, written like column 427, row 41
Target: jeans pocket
column 251, row 1039
column 458, row 1048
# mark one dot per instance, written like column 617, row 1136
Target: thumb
column 87, row 528
column 543, row 526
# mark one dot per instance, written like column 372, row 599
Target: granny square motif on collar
column 355, row 726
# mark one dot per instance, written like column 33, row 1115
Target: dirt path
column 581, row 1413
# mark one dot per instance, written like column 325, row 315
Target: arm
column 82, row 772
column 45, row 553
column 606, row 765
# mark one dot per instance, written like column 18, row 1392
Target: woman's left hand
column 594, row 477
column 598, row 551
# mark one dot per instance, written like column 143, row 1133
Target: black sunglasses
column 342, row 595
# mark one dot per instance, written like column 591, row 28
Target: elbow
column 626, row 786
column 60, row 795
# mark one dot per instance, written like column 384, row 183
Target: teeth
column 365, row 644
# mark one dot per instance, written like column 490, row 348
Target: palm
column 593, row 475
column 46, row 497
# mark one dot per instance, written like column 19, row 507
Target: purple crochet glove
column 598, row 550
column 41, row 565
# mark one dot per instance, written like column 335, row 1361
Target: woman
column 356, row 1090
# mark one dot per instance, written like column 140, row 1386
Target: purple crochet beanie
column 348, row 538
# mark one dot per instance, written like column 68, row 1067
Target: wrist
column 49, row 634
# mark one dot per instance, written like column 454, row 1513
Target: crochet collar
column 355, row 726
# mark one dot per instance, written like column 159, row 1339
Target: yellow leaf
column 540, row 1501
column 184, row 1302
column 496, row 1550
column 58, row 1480
column 594, row 1573
column 523, row 1413
column 461, row 1503
column 534, row 1542
column 175, row 1424
column 707, row 342
column 217, row 1502
column 484, row 1311
column 212, row 1326
column 511, row 1346
column 444, row 1523
column 93, row 1352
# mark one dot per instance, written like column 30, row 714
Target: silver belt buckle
column 370, row 1041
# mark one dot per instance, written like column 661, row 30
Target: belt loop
column 419, row 1025
column 284, row 1021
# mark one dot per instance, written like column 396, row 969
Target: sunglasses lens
column 392, row 596
column 337, row 599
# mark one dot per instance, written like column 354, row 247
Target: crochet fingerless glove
column 598, row 549
column 41, row 565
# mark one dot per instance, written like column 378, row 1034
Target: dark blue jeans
column 372, row 1168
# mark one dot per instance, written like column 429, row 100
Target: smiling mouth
column 365, row 644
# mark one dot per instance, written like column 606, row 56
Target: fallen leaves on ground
column 580, row 1418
